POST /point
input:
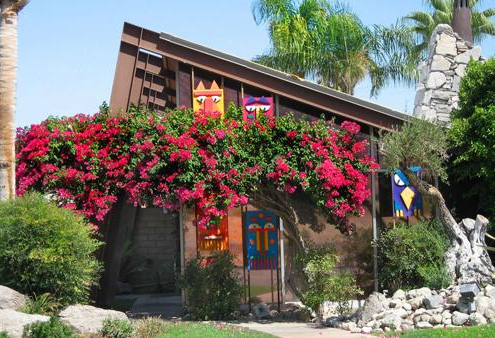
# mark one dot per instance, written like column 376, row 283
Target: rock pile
column 418, row 309
column 291, row 312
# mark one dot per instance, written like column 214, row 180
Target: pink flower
column 292, row 134
column 351, row 127
column 220, row 134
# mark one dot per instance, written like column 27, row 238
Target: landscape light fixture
column 468, row 291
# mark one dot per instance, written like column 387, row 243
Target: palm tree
column 9, row 10
column 442, row 11
column 329, row 44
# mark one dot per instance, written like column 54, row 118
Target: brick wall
column 156, row 237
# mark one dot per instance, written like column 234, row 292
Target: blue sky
column 68, row 49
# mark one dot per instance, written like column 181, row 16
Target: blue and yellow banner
column 261, row 228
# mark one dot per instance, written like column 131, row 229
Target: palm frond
column 421, row 18
column 489, row 12
column 267, row 10
column 441, row 5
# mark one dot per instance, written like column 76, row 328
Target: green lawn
column 201, row 330
column 257, row 290
column 487, row 331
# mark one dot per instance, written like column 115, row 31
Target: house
column 161, row 71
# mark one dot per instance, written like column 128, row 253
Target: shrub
column 181, row 157
column 117, row 328
column 323, row 281
column 44, row 304
column 472, row 142
column 53, row 328
column 412, row 256
column 213, row 288
column 435, row 276
column 4, row 334
column 150, row 327
column 46, row 249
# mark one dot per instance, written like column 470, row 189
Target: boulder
column 399, row 294
column 261, row 311
column 401, row 312
column 446, row 314
column 366, row 330
column 392, row 320
column 476, row 319
column 433, row 301
column 490, row 291
column 490, row 314
column 423, row 325
column 348, row 326
column 355, row 330
column 11, row 299
column 377, row 331
column 372, row 306
column 13, row 322
column 423, row 292
column 406, row 326
column 453, row 298
column 88, row 319
column 422, row 318
column 436, row 319
column 416, row 302
column 484, row 303
column 334, row 320
column 459, row 318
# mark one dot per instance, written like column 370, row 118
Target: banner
column 261, row 228
column 407, row 201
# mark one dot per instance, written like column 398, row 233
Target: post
column 277, row 105
column 282, row 258
column 182, row 253
column 177, row 85
column 373, row 213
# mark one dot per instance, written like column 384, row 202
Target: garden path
column 306, row 330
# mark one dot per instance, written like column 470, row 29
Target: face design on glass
column 209, row 100
column 254, row 107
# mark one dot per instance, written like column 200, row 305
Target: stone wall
column 437, row 93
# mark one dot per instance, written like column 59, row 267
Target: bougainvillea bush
column 190, row 158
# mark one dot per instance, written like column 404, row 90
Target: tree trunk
column 280, row 203
column 466, row 259
column 8, row 70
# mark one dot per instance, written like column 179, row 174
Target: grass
column 257, row 290
column 487, row 331
column 202, row 330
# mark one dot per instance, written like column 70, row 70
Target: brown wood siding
column 206, row 62
column 185, row 85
